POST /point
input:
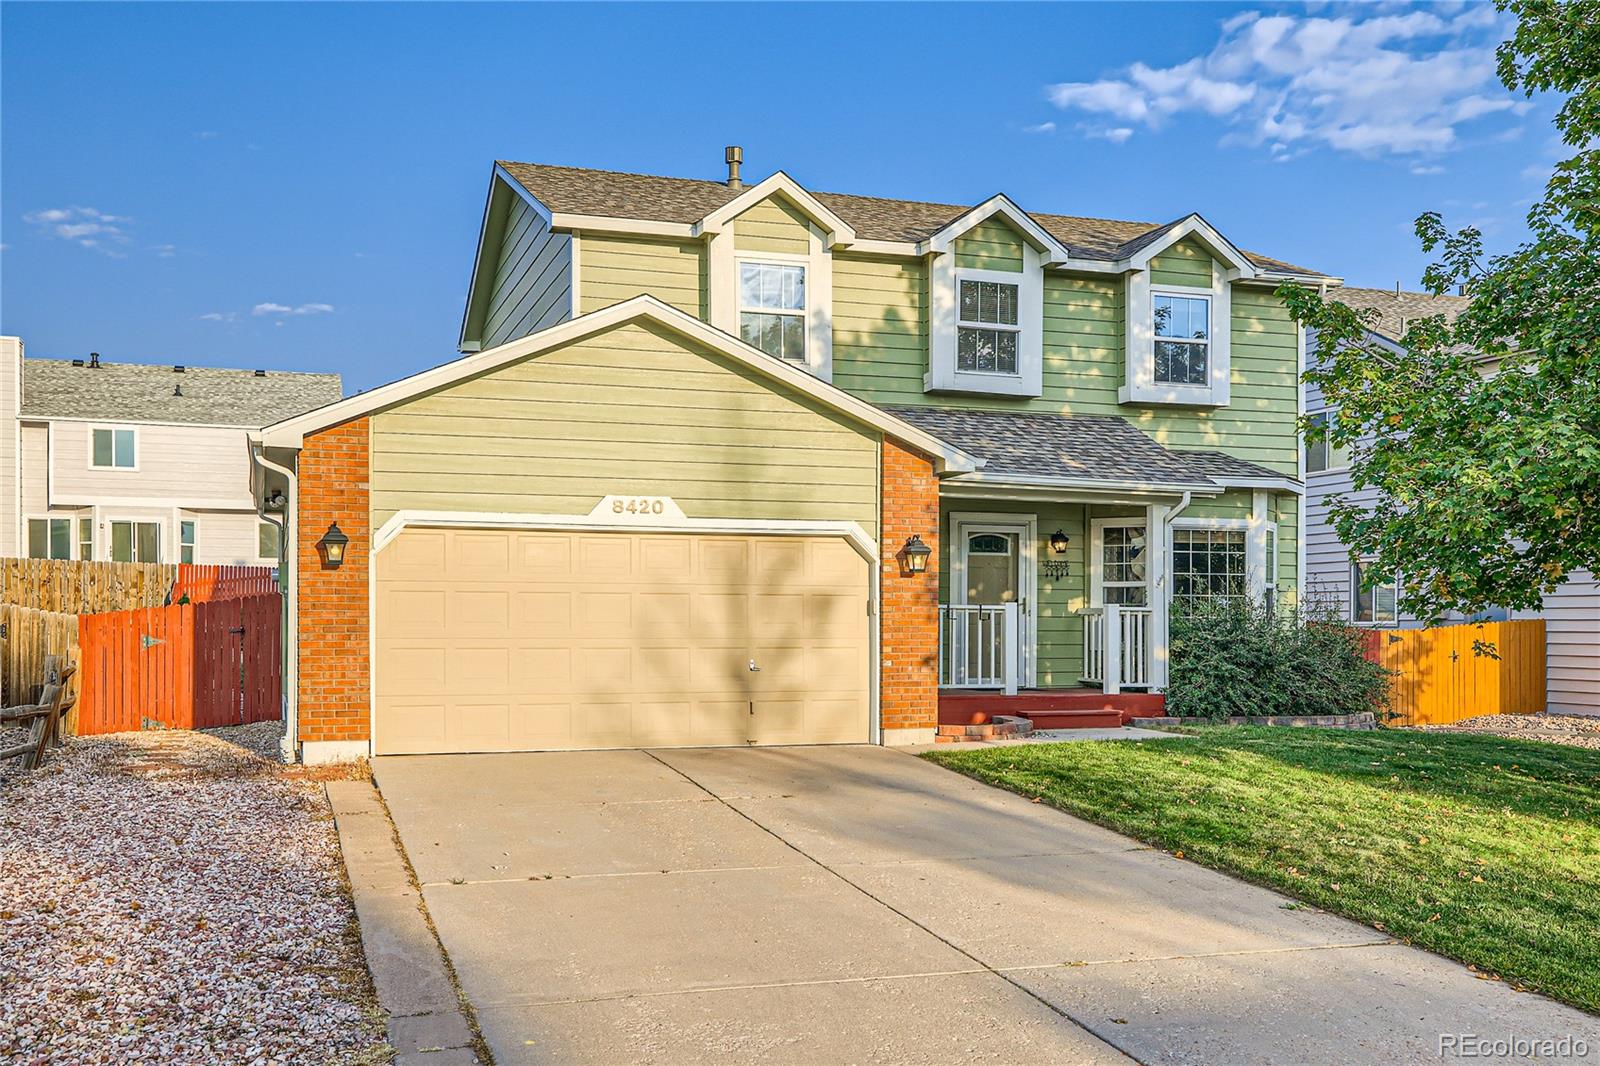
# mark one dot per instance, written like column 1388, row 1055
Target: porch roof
column 1055, row 448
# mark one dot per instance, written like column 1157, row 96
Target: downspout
column 291, row 621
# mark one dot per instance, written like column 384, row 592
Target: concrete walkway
column 855, row 904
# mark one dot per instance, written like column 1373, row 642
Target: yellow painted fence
column 1440, row 677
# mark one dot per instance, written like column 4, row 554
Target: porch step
column 1079, row 708
column 999, row 728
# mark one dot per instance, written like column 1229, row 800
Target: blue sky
column 299, row 186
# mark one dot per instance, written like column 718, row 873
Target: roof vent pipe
column 94, row 360
column 178, row 369
column 734, row 155
column 77, row 362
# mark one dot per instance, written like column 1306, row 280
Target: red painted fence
column 221, row 582
column 188, row 666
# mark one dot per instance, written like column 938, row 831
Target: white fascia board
column 501, row 176
column 1051, row 250
column 1239, row 265
column 1277, row 277
column 566, row 221
column 35, row 419
column 1271, row 484
column 840, row 233
column 522, row 190
column 291, row 432
column 1086, row 484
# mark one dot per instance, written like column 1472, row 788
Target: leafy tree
column 1488, row 482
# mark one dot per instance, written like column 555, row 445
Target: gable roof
column 141, row 392
column 291, row 432
column 616, row 194
column 1395, row 309
column 1101, row 451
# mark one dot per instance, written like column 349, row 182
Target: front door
column 994, row 565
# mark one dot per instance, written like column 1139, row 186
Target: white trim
column 1026, row 526
column 852, row 532
column 1274, row 484
column 25, row 549
column 1097, row 562
column 1082, row 484
column 1194, row 225
column 1051, row 250
column 137, row 520
column 1141, row 387
column 521, row 190
column 192, row 520
column 638, row 227
column 1352, row 600
column 838, row 231
column 575, row 276
column 291, row 432
column 1255, row 544
column 114, row 428
column 156, row 502
column 1244, row 524
column 44, row 419
column 944, row 317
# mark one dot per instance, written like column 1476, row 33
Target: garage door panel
column 494, row 640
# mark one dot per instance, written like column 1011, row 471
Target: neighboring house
column 678, row 489
column 1335, row 576
column 138, row 463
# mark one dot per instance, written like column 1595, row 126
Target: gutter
column 291, row 622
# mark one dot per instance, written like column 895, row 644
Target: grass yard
column 1480, row 848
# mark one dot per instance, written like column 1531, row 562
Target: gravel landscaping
column 1578, row 730
column 174, row 897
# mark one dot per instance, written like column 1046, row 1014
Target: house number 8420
column 638, row 505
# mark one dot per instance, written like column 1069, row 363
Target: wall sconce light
column 915, row 555
column 331, row 546
column 1059, row 542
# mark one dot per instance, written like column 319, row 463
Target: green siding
column 1185, row 263
column 635, row 410
column 773, row 225
column 990, row 245
column 613, row 269
column 880, row 327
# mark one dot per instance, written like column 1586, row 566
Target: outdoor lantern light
column 331, row 546
column 1059, row 542
column 915, row 554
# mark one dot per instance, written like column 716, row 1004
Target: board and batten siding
column 532, row 281
column 633, row 411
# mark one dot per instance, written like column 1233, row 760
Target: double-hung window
column 772, row 308
column 987, row 330
column 1182, row 339
column 113, row 449
column 1208, row 564
column 49, row 538
column 1322, row 454
column 1375, row 598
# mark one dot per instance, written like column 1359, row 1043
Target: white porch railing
column 1118, row 637
column 979, row 646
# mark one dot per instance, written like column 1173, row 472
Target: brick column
column 909, row 648
column 335, row 672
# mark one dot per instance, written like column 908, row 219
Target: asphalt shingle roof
column 1223, row 465
column 1397, row 309
column 1099, row 448
column 139, row 392
column 614, row 194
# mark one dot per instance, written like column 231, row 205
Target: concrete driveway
column 856, row 904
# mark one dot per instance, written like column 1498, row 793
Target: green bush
column 1240, row 657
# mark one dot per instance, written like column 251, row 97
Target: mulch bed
column 171, row 897
column 1577, row 730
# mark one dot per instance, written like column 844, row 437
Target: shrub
column 1241, row 657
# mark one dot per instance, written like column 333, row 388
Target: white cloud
column 1373, row 81
column 1424, row 169
column 86, row 226
column 285, row 309
column 219, row 316
column 1042, row 127
column 207, row 135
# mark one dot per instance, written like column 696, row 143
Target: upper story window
column 772, row 308
column 1182, row 339
column 987, row 328
column 113, row 449
column 1322, row 454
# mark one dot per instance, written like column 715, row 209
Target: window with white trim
column 1182, row 327
column 268, row 536
column 987, row 329
column 186, row 540
column 49, row 538
column 136, row 542
column 1208, row 564
column 1123, row 557
column 86, row 538
column 1374, row 597
column 113, row 449
column 772, row 308
column 1322, row 454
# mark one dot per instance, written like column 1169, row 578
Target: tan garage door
column 491, row 640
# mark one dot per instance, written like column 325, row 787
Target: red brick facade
column 909, row 687
column 335, row 675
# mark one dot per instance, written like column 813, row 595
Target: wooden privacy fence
column 186, row 666
column 27, row 636
column 78, row 587
column 1439, row 677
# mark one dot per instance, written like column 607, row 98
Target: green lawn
column 1482, row 849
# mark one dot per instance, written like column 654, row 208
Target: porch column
column 1158, row 592
column 908, row 651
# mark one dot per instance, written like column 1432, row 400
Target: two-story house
column 138, row 463
column 1339, row 578
column 731, row 463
